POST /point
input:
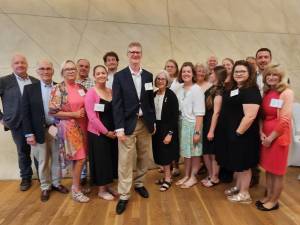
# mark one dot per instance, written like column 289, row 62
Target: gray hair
column 165, row 74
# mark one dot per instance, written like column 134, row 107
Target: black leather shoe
column 60, row 188
column 121, row 206
column 45, row 195
column 262, row 208
column 142, row 191
column 25, row 184
column 258, row 202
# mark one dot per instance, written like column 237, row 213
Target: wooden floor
column 197, row 205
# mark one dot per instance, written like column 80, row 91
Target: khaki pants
column 48, row 173
column 139, row 143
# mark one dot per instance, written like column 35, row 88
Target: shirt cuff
column 120, row 130
column 28, row 135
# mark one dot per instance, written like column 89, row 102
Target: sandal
column 106, row 196
column 240, row 198
column 210, row 183
column 165, row 186
column 79, row 197
column 231, row 191
column 160, row 181
column 205, row 180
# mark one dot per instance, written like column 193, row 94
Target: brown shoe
column 45, row 195
column 60, row 188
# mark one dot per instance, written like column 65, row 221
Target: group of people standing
column 234, row 116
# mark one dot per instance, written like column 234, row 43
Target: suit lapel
column 143, row 84
column 39, row 96
column 14, row 83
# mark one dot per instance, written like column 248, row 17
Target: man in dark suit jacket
column 37, row 126
column 11, row 90
column 134, row 118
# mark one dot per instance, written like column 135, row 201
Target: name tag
column 52, row 130
column 234, row 92
column 276, row 103
column 81, row 92
column 99, row 107
column 148, row 86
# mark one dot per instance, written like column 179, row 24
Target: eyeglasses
column 160, row 79
column 70, row 69
column 45, row 69
column 134, row 52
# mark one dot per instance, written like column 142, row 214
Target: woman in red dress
column 275, row 132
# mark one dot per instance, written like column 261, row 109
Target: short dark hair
column 263, row 50
column 185, row 64
column 112, row 54
column 98, row 66
column 251, row 82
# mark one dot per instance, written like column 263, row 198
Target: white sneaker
column 80, row 197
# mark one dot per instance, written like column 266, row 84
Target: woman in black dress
column 237, row 137
column 101, row 136
column 213, row 102
column 165, row 140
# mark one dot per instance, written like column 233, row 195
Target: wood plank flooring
column 198, row 205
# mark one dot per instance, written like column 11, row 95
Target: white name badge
column 148, row 86
column 99, row 107
column 234, row 92
column 81, row 92
column 276, row 103
column 52, row 130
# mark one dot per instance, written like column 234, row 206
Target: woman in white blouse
column 192, row 110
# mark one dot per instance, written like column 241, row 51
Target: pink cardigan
column 95, row 125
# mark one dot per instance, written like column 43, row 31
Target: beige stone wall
column 183, row 30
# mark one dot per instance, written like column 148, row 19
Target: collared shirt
column 46, row 91
column 260, row 83
column 158, row 102
column 22, row 82
column 137, row 80
column 87, row 83
column 110, row 80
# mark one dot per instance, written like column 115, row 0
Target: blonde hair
column 200, row 65
column 64, row 64
column 278, row 70
column 134, row 44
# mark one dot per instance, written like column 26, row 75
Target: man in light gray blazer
column 11, row 90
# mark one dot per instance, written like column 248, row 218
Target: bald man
column 212, row 62
column 37, row 126
column 11, row 91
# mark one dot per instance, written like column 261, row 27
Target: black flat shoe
column 121, row 206
column 142, row 191
column 25, row 184
column 262, row 208
column 258, row 202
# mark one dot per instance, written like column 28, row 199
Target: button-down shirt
column 22, row 82
column 46, row 91
column 87, row 83
column 137, row 80
column 260, row 83
column 110, row 80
